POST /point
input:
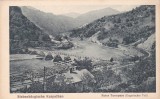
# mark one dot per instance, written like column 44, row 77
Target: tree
column 88, row 82
column 46, row 38
column 109, row 77
column 119, row 20
column 84, row 64
column 111, row 60
column 127, row 20
column 98, row 76
column 142, row 70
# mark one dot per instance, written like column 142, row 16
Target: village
column 77, row 69
column 71, row 71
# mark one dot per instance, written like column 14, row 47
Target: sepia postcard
column 73, row 49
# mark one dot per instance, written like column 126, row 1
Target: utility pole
column 32, row 79
column 44, row 79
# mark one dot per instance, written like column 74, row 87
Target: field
column 21, row 62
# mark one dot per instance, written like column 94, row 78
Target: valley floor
column 22, row 64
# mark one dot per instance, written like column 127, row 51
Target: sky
column 63, row 9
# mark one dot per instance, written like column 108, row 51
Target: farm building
column 49, row 56
column 74, row 77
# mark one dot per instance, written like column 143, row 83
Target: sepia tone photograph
column 82, row 49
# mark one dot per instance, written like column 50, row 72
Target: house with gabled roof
column 74, row 77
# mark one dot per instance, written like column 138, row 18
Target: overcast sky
column 63, row 9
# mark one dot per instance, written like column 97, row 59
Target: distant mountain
column 96, row 14
column 52, row 24
column 55, row 24
column 125, row 28
column 72, row 14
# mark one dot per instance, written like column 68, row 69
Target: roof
column 76, row 76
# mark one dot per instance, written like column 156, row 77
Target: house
column 75, row 77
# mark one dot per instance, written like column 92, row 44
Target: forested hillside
column 133, row 28
column 21, row 28
column 23, row 32
column 125, row 28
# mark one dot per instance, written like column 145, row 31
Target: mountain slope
column 72, row 14
column 55, row 24
column 123, row 28
column 21, row 28
column 23, row 33
column 52, row 24
column 96, row 14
